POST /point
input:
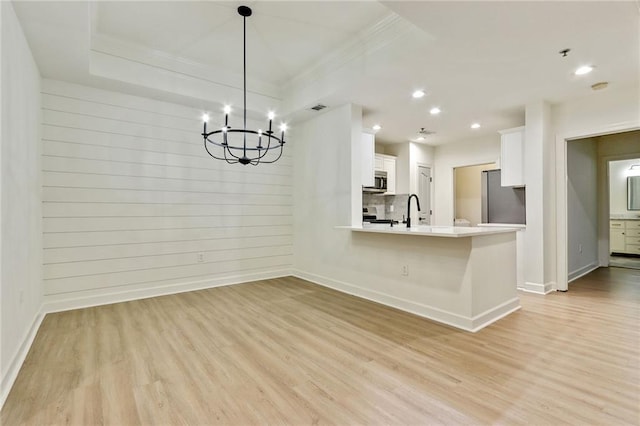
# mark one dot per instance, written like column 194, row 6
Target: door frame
column 562, row 180
column 453, row 182
column 604, row 249
column 431, row 186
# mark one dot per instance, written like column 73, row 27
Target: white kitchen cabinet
column 379, row 162
column 368, row 153
column 616, row 240
column 387, row 163
column 512, row 156
column 624, row 236
column 389, row 166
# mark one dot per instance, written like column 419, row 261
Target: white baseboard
column 18, row 359
column 539, row 288
column 492, row 315
column 59, row 303
column 472, row 324
column 582, row 271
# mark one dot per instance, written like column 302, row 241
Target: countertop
column 624, row 217
column 431, row 231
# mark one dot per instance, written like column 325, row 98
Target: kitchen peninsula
column 466, row 275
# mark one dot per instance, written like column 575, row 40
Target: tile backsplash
column 382, row 205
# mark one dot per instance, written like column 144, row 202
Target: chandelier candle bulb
column 205, row 118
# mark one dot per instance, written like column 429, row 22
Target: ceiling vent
column 318, row 107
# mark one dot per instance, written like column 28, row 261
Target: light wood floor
column 288, row 352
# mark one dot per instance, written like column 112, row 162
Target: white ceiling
column 478, row 61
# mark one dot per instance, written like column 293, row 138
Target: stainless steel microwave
column 380, row 182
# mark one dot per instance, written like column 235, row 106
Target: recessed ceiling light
column 418, row 94
column 586, row 69
column 475, row 126
column 435, row 111
column 376, row 127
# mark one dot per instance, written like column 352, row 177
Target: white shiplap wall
column 132, row 202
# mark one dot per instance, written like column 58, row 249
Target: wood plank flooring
column 285, row 351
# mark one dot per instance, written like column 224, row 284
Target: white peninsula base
column 464, row 277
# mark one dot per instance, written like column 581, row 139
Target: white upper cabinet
column 389, row 166
column 368, row 153
column 512, row 156
column 387, row 163
column 379, row 162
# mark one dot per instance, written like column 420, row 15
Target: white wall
column 597, row 111
column 540, row 249
column 618, row 174
column 609, row 111
column 582, row 173
column 468, row 190
column 20, row 189
column 131, row 199
column 367, row 265
column 449, row 156
column 403, row 168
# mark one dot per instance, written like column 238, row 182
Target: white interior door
column 424, row 194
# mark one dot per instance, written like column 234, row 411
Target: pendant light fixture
column 242, row 145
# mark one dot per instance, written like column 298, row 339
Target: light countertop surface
column 624, row 217
column 503, row 225
column 431, row 231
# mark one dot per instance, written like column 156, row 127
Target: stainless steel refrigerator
column 501, row 204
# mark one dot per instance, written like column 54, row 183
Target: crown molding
column 380, row 35
column 125, row 51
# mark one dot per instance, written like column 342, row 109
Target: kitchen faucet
column 409, row 208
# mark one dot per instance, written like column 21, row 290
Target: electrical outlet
column 405, row 270
column 200, row 257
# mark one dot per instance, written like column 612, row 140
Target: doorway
column 424, row 194
column 467, row 184
column 584, row 220
column 624, row 213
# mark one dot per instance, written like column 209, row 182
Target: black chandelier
column 235, row 150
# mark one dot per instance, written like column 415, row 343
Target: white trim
column 432, row 192
column 492, row 315
column 539, row 288
column 368, row 41
column 131, row 53
column 66, row 302
column 56, row 304
column 18, row 359
column 604, row 213
column 562, row 256
column 471, row 324
column 581, row 272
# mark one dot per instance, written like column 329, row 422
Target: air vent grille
column 424, row 132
